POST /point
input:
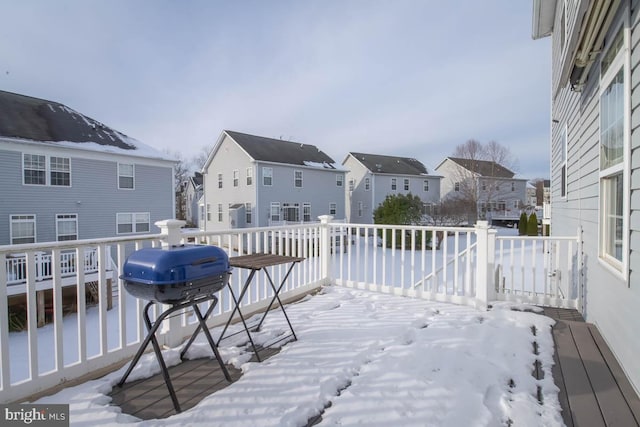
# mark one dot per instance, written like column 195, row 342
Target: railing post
column 171, row 329
column 170, row 229
column 485, row 260
column 325, row 248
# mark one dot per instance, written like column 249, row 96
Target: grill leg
column 197, row 331
column 206, row 332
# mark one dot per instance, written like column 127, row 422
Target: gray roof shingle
column 279, row 151
column 37, row 119
column 391, row 164
column 484, row 167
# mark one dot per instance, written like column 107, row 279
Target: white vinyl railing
column 16, row 265
column 468, row 265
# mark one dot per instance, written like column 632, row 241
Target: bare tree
column 181, row 173
column 480, row 178
column 200, row 159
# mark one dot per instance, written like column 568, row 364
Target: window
column 333, row 208
column 367, row 184
column 202, row 214
column 352, row 184
column 425, row 185
column 126, row 174
column 136, row 222
column 236, row 178
column 208, row 212
column 247, row 210
column 456, row 186
column 297, row 179
column 23, row 229
column 614, row 112
column 249, row 176
column 219, row 180
column 291, row 212
column 67, row 227
column 267, row 176
column 513, row 186
column 60, row 171
column 484, row 185
column 306, row 212
column 406, row 184
column 219, row 212
column 339, row 180
column 393, row 183
column 274, row 211
column 360, row 208
column 34, row 167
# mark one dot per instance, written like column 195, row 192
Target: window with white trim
column 406, row 184
column 306, row 212
column 267, row 176
column 394, row 184
column 291, row 212
column 208, row 212
column 34, row 168
column 220, row 215
column 297, row 179
column 360, row 209
column 249, row 176
column 333, row 208
column 126, row 176
column 367, row 184
column 66, row 227
column 456, row 186
column 352, row 184
column 247, row 210
column 614, row 114
column 219, row 180
column 132, row 222
column 425, row 185
column 39, row 169
column 236, row 178
column 339, row 180
column 274, row 211
column 22, row 229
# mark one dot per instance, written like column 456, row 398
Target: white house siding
column 93, row 195
column 228, row 157
column 611, row 300
column 356, row 173
column 449, row 170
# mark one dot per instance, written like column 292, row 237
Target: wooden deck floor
column 594, row 391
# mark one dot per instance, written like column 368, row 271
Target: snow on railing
column 465, row 265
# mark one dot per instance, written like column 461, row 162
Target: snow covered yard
column 364, row 358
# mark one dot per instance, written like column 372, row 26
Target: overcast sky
column 407, row 78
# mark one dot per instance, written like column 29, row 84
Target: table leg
column 237, row 308
column 276, row 292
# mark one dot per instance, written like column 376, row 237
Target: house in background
column 491, row 190
column 372, row 177
column 193, row 193
column 253, row 181
column 595, row 157
column 65, row 176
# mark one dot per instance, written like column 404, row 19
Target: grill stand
column 151, row 337
column 257, row 262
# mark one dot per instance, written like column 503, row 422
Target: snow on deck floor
column 366, row 358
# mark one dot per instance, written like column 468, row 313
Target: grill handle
column 204, row 261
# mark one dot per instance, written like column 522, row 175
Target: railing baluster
column 57, row 311
column 32, row 335
column 5, row 363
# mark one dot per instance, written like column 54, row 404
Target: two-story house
column 253, row 181
column 490, row 190
column 193, row 194
column 65, row 176
column 595, row 157
column 372, row 177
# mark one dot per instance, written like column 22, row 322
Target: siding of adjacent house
column 93, row 195
column 357, row 173
column 611, row 300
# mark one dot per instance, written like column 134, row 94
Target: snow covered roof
column 377, row 163
column 38, row 120
column 278, row 151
